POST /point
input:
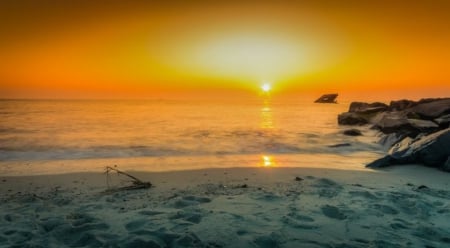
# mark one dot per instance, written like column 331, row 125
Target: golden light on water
column 266, row 118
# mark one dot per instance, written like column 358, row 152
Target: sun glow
column 267, row 161
column 266, row 87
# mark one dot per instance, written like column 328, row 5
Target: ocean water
column 57, row 136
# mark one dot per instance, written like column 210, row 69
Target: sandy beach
column 404, row 206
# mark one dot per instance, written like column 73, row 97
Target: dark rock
column 443, row 121
column 412, row 115
column 422, row 187
column 446, row 166
column 339, row 145
column 397, row 122
column 372, row 110
column 433, row 109
column 327, row 98
column 391, row 122
column 355, row 106
column 423, row 125
column 298, row 179
column 401, row 105
column 415, row 124
column 428, row 100
column 350, row 118
column 362, row 107
column 387, row 141
column 431, row 150
column 381, row 162
column 352, row 132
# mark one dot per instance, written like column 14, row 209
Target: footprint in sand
column 77, row 230
column 432, row 234
column 19, row 237
column 385, row 209
column 297, row 224
column 363, row 194
column 266, row 242
column 300, row 217
column 142, row 242
column 397, row 226
column 150, row 212
column 191, row 217
column 135, row 225
column 298, row 221
column 327, row 188
column 241, row 232
column 333, row 212
column 190, row 201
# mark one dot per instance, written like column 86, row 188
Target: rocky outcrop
column 362, row 107
column 412, row 118
column 431, row 150
column 328, row 98
column 414, row 132
column 349, row 118
column 433, row 109
column 401, row 105
column 443, row 120
column 361, row 113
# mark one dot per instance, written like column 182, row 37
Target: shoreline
column 344, row 158
column 229, row 207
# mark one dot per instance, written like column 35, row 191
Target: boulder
column 355, row 106
column 431, row 150
column 443, row 121
column 387, row 141
column 423, row 125
column 428, row 100
column 401, row 105
column 391, row 122
column 352, row 132
column 362, row 107
column 433, row 109
column 349, row 118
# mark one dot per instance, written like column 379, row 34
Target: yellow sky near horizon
column 65, row 49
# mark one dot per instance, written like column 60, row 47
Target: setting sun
column 266, row 87
column 267, row 161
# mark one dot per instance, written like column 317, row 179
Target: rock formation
column 414, row 132
column 431, row 150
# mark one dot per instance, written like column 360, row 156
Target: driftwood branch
column 136, row 183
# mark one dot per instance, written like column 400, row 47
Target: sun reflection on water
column 266, row 116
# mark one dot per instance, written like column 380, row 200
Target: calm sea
column 58, row 136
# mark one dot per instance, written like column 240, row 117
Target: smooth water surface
column 70, row 135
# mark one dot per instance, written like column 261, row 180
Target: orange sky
column 115, row 49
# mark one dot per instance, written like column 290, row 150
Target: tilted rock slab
column 431, row 150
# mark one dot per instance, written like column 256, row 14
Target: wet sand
column 406, row 206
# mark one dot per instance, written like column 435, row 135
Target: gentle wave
column 63, row 130
column 200, row 143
